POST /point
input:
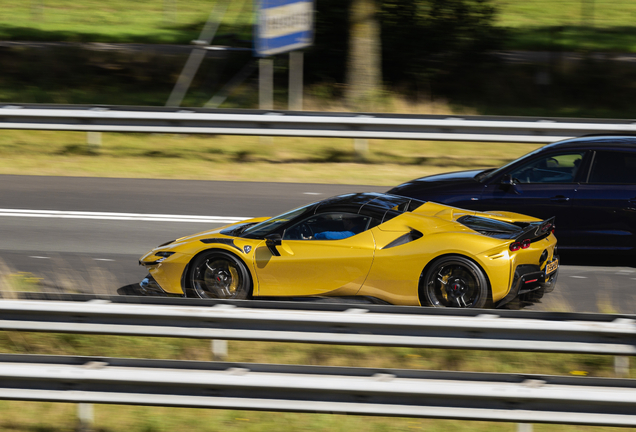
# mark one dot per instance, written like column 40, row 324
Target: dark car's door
column 543, row 186
column 605, row 204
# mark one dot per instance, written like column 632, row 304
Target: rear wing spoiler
column 536, row 231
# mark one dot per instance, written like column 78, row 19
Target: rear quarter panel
column 396, row 271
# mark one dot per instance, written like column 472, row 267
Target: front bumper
column 529, row 278
column 165, row 272
column 149, row 287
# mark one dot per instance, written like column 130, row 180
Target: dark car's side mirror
column 508, row 182
column 273, row 240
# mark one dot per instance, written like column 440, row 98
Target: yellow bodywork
column 361, row 265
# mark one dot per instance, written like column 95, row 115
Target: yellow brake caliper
column 235, row 279
column 444, row 281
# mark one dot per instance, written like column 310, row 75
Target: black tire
column 454, row 281
column 218, row 274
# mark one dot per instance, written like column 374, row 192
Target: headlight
column 164, row 254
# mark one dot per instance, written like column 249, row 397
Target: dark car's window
column 494, row 173
column 329, row 226
column 260, row 230
column 556, row 168
column 613, row 168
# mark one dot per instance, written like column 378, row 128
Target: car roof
column 595, row 141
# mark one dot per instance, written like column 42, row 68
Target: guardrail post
column 94, row 139
column 524, row 427
column 361, row 147
column 621, row 366
column 85, row 417
column 219, row 349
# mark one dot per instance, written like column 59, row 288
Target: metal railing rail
column 303, row 124
column 354, row 326
column 327, row 304
column 360, row 391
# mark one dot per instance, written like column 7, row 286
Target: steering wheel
column 305, row 232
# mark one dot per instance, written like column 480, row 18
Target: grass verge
column 302, row 160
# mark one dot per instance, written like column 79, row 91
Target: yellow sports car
column 375, row 247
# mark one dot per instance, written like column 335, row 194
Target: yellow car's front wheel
column 218, row 274
column 454, row 281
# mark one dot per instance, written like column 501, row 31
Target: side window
column 613, row 168
column 329, row 226
column 560, row 168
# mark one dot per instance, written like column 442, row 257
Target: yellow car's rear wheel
column 454, row 281
column 218, row 274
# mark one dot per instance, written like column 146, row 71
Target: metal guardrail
column 352, row 326
column 327, row 304
column 361, row 391
column 303, row 124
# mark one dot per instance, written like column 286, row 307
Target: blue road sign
column 284, row 25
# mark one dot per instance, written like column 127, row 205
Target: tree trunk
column 364, row 68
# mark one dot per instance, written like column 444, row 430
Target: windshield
column 494, row 173
column 260, row 230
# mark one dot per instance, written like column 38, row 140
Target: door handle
column 560, row 198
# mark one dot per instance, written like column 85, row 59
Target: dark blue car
column 588, row 183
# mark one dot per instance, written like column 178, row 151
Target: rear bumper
column 530, row 278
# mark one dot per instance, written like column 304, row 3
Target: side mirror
column 273, row 240
column 507, row 182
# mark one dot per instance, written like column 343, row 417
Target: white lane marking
column 102, row 259
column 312, row 193
column 119, row 216
column 40, row 257
column 579, row 277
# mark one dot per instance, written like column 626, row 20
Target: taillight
column 515, row 246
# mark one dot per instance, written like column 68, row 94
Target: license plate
column 551, row 267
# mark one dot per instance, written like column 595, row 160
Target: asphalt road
column 86, row 234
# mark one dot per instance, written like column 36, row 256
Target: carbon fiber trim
column 227, row 242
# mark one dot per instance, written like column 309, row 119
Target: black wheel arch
column 185, row 281
column 420, row 294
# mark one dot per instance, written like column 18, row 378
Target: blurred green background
column 451, row 53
